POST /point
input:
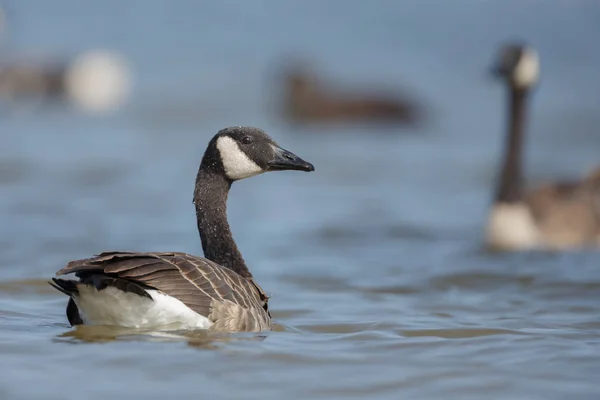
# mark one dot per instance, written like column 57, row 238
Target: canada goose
column 307, row 99
column 147, row 290
column 560, row 215
column 95, row 81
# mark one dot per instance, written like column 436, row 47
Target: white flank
column 527, row 70
column 236, row 163
column 511, row 227
column 114, row 307
column 98, row 81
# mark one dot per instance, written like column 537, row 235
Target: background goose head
column 241, row 152
column 518, row 64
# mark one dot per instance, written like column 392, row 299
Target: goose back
column 228, row 300
column 565, row 214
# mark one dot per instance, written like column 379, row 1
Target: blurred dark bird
column 556, row 215
column 94, row 81
column 308, row 99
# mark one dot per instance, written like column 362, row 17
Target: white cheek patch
column 528, row 69
column 236, row 163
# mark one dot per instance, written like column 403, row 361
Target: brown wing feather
column 566, row 212
column 229, row 300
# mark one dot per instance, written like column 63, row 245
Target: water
column 379, row 285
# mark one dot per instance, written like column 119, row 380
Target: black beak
column 286, row 160
column 497, row 71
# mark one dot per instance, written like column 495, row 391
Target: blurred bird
column 559, row 215
column 95, row 81
column 307, row 99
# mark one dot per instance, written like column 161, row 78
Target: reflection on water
column 380, row 287
column 201, row 339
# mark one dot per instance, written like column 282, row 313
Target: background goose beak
column 286, row 160
column 497, row 71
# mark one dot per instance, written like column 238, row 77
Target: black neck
column 210, row 199
column 510, row 184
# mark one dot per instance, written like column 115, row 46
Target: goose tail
column 65, row 286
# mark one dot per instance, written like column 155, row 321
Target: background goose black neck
column 210, row 199
column 510, row 187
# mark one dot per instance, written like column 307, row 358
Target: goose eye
column 247, row 140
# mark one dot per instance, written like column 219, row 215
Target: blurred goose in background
column 308, row 99
column 95, row 81
column 179, row 290
column 561, row 215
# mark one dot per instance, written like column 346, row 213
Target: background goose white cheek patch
column 528, row 69
column 236, row 163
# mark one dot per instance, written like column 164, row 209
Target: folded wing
column 230, row 301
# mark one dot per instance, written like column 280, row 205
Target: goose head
column 245, row 151
column 518, row 65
